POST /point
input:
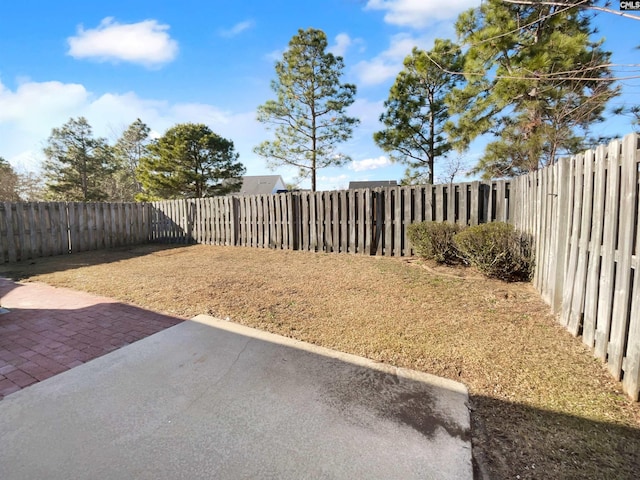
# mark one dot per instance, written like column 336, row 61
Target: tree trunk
column 432, row 135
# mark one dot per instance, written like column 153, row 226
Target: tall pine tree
column 77, row 164
column 535, row 81
column 416, row 111
column 128, row 150
column 309, row 114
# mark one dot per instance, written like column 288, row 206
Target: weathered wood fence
column 31, row 230
column 368, row 221
column 583, row 213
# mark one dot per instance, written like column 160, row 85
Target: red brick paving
column 49, row 330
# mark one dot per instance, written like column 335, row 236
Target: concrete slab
column 211, row 399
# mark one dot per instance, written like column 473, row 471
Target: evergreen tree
column 30, row 187
column 309, row 113
column 416, row 111
column 77, row 164
column 130, row 147
column 9, row 182
column 189, row 161
column 534, row 80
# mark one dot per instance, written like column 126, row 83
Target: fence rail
column 583, row 213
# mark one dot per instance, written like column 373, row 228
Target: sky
column 212, row 62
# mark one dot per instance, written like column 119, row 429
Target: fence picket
column 579, row 284
column 605, row 293
column 337, row 211
column 631, row 380
column 550, row 230
column 567, row 297
column 560, row 248
column 439, row 203
column 627, row 208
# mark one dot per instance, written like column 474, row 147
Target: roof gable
column 261, row 184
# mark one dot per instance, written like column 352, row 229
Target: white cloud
column 343, row 42
column 48, row 99
column 238, row 28
column 30, row 111
column 146, row 43
column 370, row 164
column 420, row 13
column 274, row 56
column 388, row 63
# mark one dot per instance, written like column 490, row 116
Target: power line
column 556, row 76
column 577, row 4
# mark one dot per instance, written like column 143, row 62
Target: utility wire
column 578, row 4
column 552, row 75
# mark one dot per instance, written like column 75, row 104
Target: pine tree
column 416, row 111
column 9, row 182
column 77, row 164
column 309, row 113
column 130, row 147
column 189, row 161
column 535, row 81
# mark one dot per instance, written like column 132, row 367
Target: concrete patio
column 207, row 399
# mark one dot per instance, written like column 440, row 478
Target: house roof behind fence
column 261, row 184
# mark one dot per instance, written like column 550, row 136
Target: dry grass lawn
column 542, row 406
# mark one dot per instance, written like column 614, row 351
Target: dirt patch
column 542, row 406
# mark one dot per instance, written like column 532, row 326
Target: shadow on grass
column 542, row 444
column 21, row 270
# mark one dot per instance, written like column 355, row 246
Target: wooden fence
column 583, row 213
column 31, row 230
column 367, row 221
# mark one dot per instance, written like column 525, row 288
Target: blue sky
column 167, row 61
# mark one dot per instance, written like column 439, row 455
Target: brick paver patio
column 49, row 330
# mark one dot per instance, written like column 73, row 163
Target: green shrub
column 498, row 250
column 435, row 241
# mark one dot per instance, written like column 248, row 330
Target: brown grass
column 542, row 406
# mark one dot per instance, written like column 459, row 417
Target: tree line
column 529, row 75
column 188, row 161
